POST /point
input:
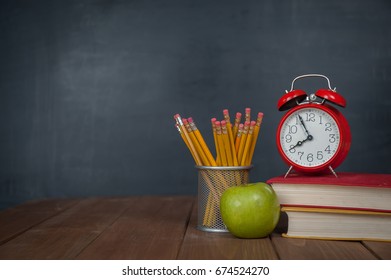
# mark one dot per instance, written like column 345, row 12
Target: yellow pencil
column 243, row 140
column 248, row 144
column 255, row 136
column 236, row 124
column 248, row 115
column 179, row 121
column 227, row 145
column 238, row 138
column 201, row 140
column 213, row 120
column 223, row 158
column 204, row 159
column 184, row 140
column 231, row 138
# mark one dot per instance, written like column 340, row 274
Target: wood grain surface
column 150, row 227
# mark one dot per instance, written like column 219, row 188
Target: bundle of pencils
column 234, row 143
column 234, row 146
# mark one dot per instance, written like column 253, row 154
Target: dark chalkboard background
column 89, row 88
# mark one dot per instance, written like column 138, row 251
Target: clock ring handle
column 311, row 75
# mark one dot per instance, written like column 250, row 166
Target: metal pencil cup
column 212, row 182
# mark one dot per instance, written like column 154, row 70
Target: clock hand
column 299, row 143
column 309, row 136
column 305, row 128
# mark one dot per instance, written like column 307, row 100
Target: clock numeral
column 332, row 138
column 320, row 120
column 300, row 154
column 327, row 126
column 288, row 138
column 292, row 129
column 319, row 155
column 310, row 117
column 292, row 149
column 328, row 150
column 310, row 157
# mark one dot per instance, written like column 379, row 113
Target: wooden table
column 148, row 228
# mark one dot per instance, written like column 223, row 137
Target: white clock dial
column 309, row 137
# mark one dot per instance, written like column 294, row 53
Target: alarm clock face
column 309, row 137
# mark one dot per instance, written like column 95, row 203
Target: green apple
column 251, row 210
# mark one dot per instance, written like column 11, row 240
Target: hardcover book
column 337, row 224
column 355, row 191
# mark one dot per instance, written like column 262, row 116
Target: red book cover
column 355, row 191
column 343, row 179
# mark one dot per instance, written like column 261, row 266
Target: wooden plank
column 47, row 244
column 381, row 249
column 91, row 213
column 17, row 220
column 66, row 234
column 153, row 228
column 310, row 249
column 198, row 245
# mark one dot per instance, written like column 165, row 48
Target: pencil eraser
column 213, row 120
column 241, row 126
column 248, row 110
column 184, row 121
column 246, row 123
column 176, row 116
column 238, row 115
column 253, row 123
column 223, row 123
column 217, row 123
column 190, row 119
column 225, row 111
column 260, row 115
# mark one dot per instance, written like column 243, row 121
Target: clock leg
column 332, row 171
column 289, row 171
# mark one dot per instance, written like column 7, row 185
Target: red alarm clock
column 313, row 136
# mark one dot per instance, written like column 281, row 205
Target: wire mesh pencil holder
column 212, row 182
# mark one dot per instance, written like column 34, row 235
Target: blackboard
column 89, row 88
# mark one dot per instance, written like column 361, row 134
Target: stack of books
column 352, row 206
